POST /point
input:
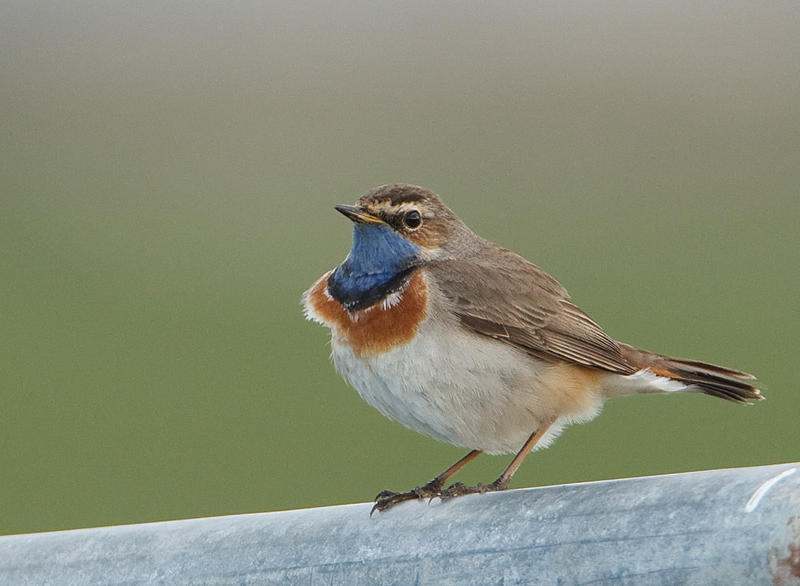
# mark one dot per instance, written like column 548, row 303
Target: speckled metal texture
column 739, row 526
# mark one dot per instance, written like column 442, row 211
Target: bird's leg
column 501, row 483
column 387, row 498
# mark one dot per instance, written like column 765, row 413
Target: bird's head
column 397, row 228
column 405, row 218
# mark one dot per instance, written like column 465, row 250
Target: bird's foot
column 460, row 489
column 387, row 498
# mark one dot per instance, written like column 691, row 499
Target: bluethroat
column 471, row 344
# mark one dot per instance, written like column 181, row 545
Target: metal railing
column 737, row 526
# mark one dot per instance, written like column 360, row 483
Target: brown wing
column 501, row 295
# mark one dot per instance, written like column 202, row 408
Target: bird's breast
column 377, row 329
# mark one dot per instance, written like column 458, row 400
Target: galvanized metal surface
column 729, row 527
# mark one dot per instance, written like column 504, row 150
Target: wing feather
column 499, row 294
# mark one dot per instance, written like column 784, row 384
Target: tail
column 716, row 381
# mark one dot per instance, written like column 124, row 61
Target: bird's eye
column 412, row 219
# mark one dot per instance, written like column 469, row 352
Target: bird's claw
column 430, row 491
column 387, row 498
column 460, row 489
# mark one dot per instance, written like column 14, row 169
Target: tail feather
column 717, row 381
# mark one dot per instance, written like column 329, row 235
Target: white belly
column 464, row 389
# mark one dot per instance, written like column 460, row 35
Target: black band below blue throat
column 357, row 292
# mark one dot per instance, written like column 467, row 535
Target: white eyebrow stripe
column 764, row 488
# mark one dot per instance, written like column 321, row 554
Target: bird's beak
column 358, row 214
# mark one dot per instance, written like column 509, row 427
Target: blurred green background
column 168, row 176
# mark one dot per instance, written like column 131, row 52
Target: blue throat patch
column 378, row 265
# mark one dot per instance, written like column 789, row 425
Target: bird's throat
column 379, row 264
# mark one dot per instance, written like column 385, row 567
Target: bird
column 467, row 342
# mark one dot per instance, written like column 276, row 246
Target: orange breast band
column 379, row 328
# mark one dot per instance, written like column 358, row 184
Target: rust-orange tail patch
column 718, row 381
